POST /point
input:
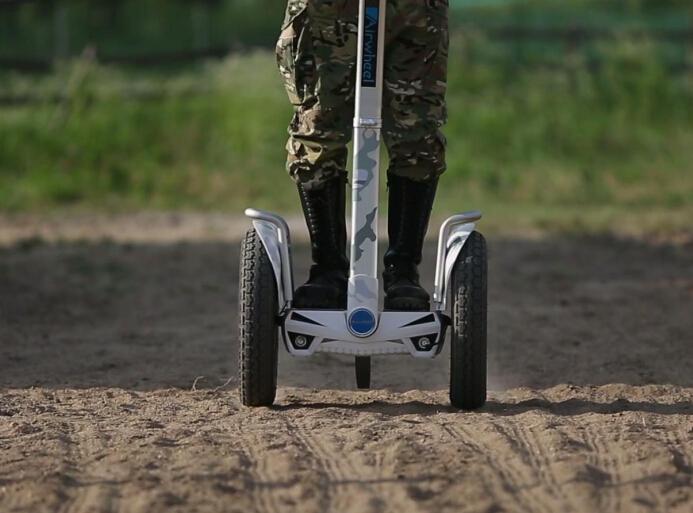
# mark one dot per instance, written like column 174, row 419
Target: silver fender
column 452, row 237
column 276, row 238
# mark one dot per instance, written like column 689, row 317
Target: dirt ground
column 118, row 385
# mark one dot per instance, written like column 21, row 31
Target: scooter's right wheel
column 468, row 346
column 257, row 333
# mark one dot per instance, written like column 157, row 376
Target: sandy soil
column 117, row 376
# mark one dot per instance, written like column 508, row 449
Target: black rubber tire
column 257, row 325
column 468, row 300
column 362, row 364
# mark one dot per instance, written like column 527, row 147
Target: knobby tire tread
column 257, row 355
column 469, row 318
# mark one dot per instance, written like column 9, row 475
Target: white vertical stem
column 363, row 279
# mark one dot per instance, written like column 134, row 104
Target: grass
column 549, row 144
column 205, row 139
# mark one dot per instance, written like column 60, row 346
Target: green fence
column 33, row 33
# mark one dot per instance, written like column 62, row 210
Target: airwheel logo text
column 369, row 62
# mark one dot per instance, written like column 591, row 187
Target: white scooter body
column 362, row 329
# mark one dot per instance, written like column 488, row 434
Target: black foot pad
column 319, row 298
column 407, row 304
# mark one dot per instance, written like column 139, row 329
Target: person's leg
column 316, row 54
column 414, row 111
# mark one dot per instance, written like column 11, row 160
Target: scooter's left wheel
column 257, row 325
column 362, row 365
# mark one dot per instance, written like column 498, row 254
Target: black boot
column 409, row 210
column 324, row 212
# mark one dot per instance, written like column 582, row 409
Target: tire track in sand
column 664, row 489
column 516, row 483
column 601, row 456
column 376, row 470
column 96, row 491
column 333, row 497
column 261, row 473
column 531, row 445
column 348, row 470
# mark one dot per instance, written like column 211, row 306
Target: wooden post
column 200, row 23
column 61, row 30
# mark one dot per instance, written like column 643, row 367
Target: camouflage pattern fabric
column 316, row 54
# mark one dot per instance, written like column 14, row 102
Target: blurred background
column 575, row 114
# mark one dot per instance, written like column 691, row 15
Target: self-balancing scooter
column 362, row 330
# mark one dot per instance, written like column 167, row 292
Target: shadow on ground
column 139, row 316
column 565, row 408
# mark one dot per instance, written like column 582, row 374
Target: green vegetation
column 214, row 137
column 622, row 134
column 617, row 138
column 204, row 139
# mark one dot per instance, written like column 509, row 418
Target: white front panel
column 396, row 333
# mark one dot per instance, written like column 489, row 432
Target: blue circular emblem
column 362, row 322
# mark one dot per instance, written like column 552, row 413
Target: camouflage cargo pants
column 316, row 54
